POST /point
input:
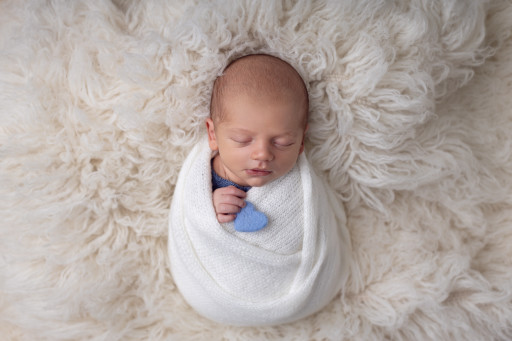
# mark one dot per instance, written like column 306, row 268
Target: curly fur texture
column 410, row 123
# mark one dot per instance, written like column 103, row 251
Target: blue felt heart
column 249, row 219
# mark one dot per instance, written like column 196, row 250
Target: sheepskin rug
column 411, row 121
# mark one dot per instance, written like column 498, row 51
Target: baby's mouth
column 258, row 172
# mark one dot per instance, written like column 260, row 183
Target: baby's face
column 258, row 141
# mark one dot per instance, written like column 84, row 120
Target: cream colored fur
column 410, row 123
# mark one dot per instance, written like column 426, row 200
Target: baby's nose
column 262, row 152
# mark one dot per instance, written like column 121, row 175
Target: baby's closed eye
column 278, row 142
column 284, row 143
column 241, row 140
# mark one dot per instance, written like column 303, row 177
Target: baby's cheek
column 241, row 156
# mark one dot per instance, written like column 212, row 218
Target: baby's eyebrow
column 249, row 132
column 240, row 130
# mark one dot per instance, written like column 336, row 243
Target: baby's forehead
column 280, row 113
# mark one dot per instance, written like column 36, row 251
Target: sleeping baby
column 255, row 237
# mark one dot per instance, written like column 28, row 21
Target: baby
column 254, row 276
column 259, row 110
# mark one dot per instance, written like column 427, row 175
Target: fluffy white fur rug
column 410, row 122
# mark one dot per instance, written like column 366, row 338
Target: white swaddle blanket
column 288, row 270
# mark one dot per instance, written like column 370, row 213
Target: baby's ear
column 303, row 137
column 212, row 139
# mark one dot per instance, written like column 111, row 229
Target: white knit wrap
column 288, row 270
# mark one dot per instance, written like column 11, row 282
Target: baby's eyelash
column 284, row 144
column 244, row 141
column 237, row 140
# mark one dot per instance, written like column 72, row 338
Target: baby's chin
column 258, row 182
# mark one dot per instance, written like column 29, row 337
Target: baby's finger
column 232, row 200
column 232, row 190
column 228, row 209
column 225, row 218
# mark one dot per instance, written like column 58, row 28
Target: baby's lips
column 258, row 172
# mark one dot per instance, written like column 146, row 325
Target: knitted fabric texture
column 289, row 270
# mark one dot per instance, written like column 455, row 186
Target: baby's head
column 259, row 111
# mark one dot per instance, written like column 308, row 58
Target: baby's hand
column 227, row 202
